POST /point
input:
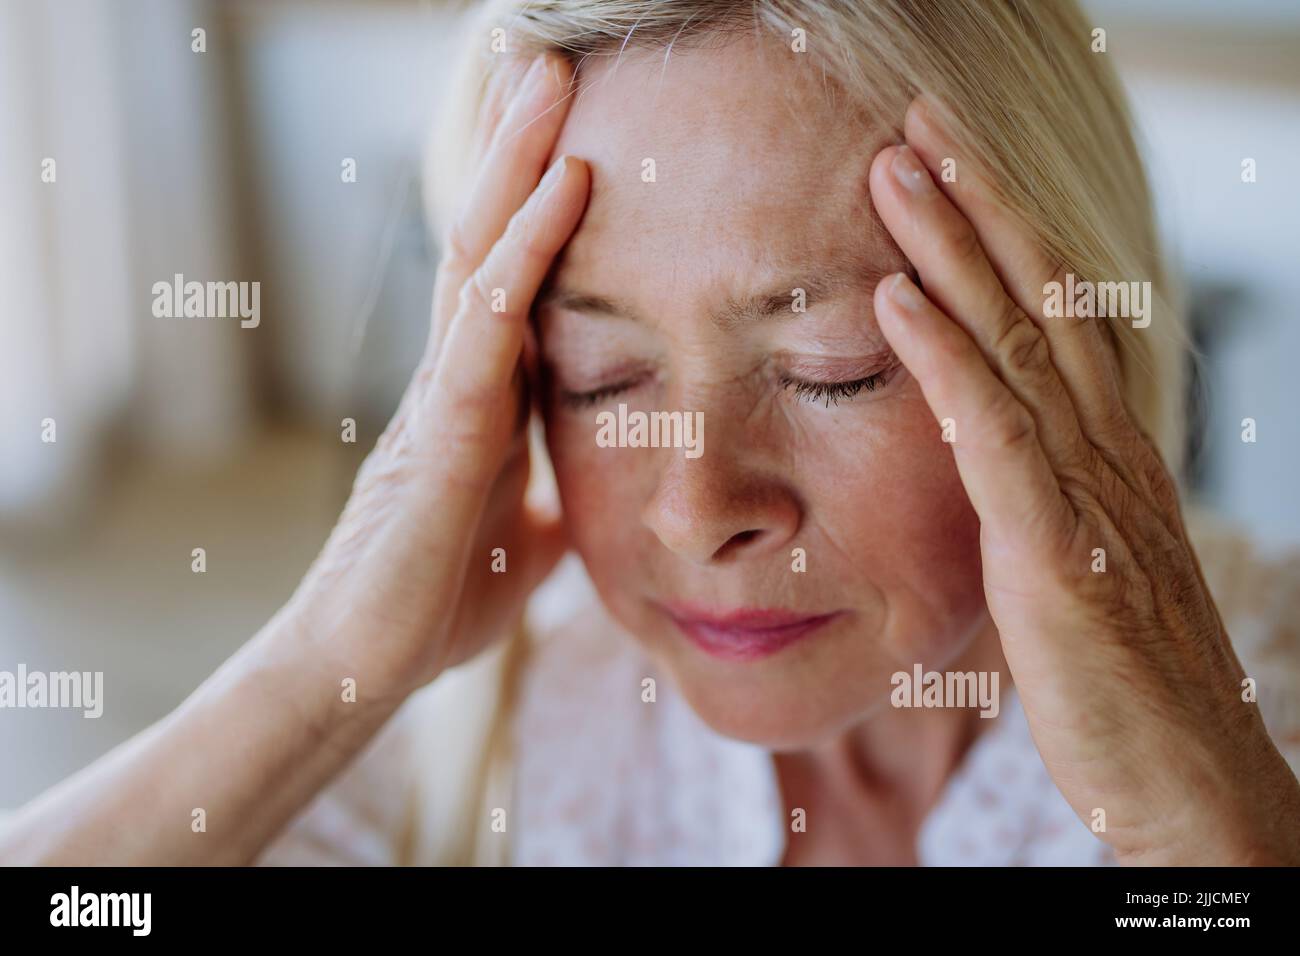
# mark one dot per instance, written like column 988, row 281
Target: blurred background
column 229, row 164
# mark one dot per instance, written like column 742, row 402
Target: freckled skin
column 755, row 167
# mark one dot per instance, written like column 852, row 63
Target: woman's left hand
column 1129, row 683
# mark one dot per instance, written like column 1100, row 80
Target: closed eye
column 827, row 393
column 596, row 396
column 831, row 393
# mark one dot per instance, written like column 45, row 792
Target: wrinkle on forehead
column 754, row 165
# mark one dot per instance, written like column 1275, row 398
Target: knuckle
column 1137, row 456
column 1075, row 573
column 961, row 241
column 516, row 231
column 457, row 246
column 1022, row 345
column 476, row 295
column 1013, row 426
column 468, row 435
column 476, row 432
column 422, row 380
column 1060, row 278
column 1115, row 426
column 1079, row 463
column 525, row 234
column 1019, row 432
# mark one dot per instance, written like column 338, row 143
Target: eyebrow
column 821, row 283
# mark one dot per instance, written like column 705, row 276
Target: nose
column 713, row 509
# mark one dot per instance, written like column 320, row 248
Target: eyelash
column 828, row 393
column 588, row 399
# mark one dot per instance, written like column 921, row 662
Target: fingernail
column 908, row 170
column 553, row 175
column 903, row 294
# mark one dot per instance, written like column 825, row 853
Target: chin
column 798, row 720
column 793, row 700
column 804, row 696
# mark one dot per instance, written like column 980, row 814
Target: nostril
column 737, row 541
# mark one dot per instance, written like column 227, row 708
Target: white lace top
column 601, row 777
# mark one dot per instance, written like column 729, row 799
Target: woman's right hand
column 405, row 585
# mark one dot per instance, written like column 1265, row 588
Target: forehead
column 757, row 158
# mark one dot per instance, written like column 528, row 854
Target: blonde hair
column 1036, row 107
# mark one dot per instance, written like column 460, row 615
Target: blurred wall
column 174, row 434
column 1211, row 89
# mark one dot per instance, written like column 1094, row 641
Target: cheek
column 598, row 491
column 893, row 507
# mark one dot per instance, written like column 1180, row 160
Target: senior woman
column 830, row 230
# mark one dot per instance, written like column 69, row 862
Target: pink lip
column 746, row 634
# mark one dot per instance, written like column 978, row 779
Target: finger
column 514, row 161
column 1081, row 349
column 995, row 440
column 472, row 405
column 502, row 87
column 503, row 84
column 940, row 243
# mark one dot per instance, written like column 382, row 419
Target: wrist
column 329, row 659
column 1257, row 824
